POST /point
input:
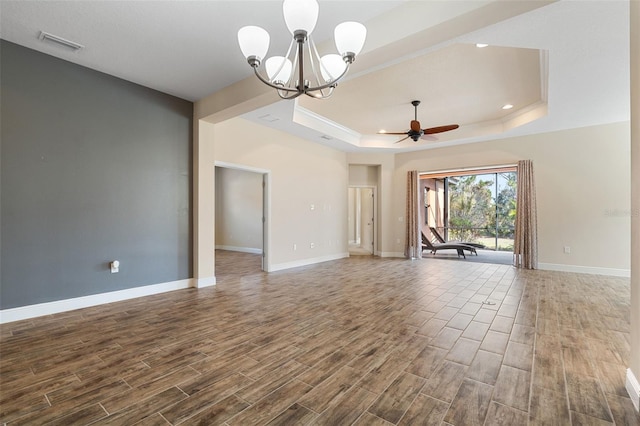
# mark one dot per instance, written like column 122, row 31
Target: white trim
column 305, row 262
column 235, row 166
column 468, row 169
column 595, row 270
column 205, row 282
column 240, row 249
column 49, row 308
column 633, row 388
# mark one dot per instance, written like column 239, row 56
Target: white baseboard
column 205, row 282
column 49, row 308
column 594, row 270
column 240, row 249
column 633, row 389
column 305, row 262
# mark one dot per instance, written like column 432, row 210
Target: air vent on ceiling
column 268, row 118
column 44, row 36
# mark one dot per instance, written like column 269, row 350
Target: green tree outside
column 476, row 215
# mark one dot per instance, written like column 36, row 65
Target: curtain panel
column 525, row 248
column 413, row 242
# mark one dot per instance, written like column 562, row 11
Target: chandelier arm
column 301, row 89
column 322, row 94
column 333, row 83
column 288, row 98
column 311, row 53
column 268, row 83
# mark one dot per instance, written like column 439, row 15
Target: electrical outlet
column 567, row 250
column 295, row 247
column 312, row 245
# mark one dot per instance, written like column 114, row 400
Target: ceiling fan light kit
column 416, row 132
column 286, row 73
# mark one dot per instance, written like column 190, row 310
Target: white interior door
column 366, row 219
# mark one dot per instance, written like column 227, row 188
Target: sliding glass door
column 475, row 207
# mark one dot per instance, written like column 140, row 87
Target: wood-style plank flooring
column 363, row 341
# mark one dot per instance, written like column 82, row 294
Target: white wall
column 238, row 210
column 308, row 190
column 583, row 191
column 363, row 175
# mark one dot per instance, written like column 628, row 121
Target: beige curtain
column 413, row 241
column 525, row 248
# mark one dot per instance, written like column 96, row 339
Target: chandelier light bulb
column 278, row 69
column 350, row 37
column 331, row 67
column 253, row 41
column 300, row 15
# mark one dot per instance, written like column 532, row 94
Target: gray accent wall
column 93, row 169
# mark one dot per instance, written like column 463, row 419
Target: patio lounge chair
column 434, row 247
column 436, row 234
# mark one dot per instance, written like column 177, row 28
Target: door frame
column 266, row 207
column 374, row 190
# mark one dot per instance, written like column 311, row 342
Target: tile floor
column 363, row 341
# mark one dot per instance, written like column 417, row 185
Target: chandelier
column 286, row 73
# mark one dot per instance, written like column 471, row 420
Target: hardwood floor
column 363, row 341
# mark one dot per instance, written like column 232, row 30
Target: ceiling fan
column 416, row 132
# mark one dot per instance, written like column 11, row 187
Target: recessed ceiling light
column 481, row 45
column 382, row 131
column 507, row 106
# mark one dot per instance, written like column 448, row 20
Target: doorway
column 361, row 214
column 476, row 206
column 241, row 213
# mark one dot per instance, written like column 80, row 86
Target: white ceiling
column 189, row 49
column 185, row 48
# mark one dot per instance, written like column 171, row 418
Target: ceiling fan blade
column 402, row 138
column 390, row 133
column 415, row 125
column 440, row 129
